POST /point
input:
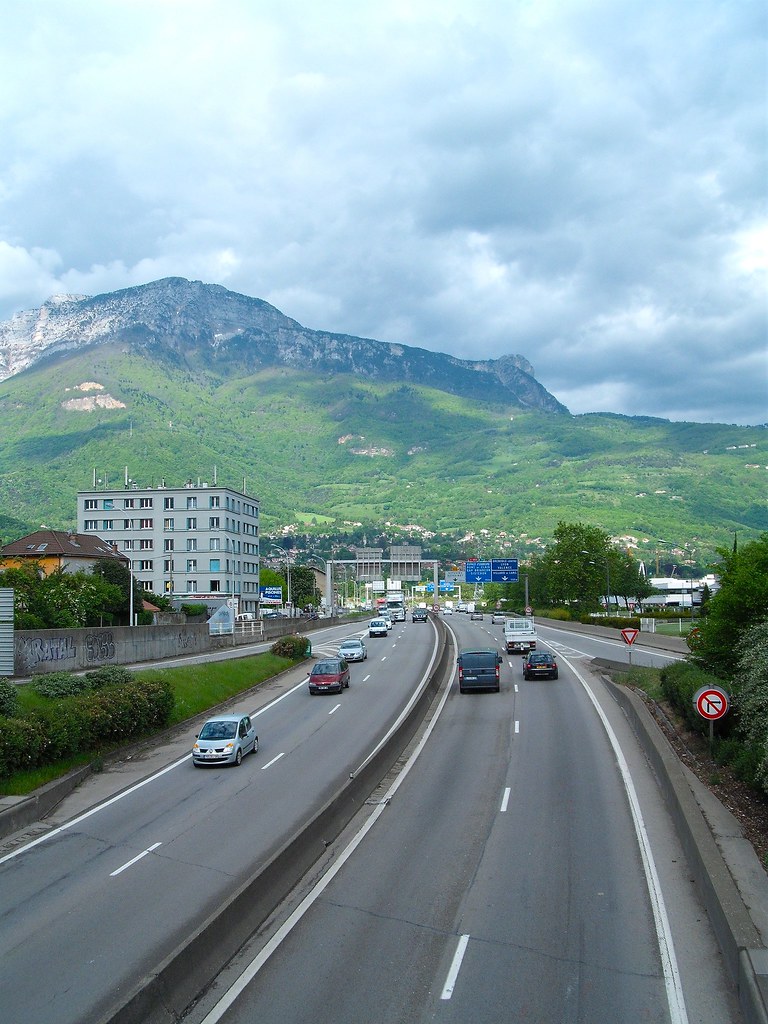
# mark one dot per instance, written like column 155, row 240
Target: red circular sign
column 711, row 702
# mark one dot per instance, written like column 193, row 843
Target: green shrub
column 193, row 611
column 679, row 683
column 9, row 699
column 109, row 675
column 293, row 647
column 60, row 684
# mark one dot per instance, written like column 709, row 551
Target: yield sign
column 711, row 702
column 630, row 635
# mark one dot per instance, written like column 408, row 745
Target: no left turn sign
column 711, row 702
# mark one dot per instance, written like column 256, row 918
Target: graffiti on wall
column 36, row 649
column 186, row 641
column 99, row 647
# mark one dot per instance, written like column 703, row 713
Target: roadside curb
column 740, row 943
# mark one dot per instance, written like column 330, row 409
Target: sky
column 581, row 182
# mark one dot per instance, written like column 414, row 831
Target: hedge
column 91, row 721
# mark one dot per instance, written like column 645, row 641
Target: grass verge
column 196, row 688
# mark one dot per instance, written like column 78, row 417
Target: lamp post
column 280, row 552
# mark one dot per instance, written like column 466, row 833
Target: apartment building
column 195, row 542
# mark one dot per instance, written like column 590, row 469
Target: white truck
column 520, row 636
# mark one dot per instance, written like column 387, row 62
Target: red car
column 331, row 675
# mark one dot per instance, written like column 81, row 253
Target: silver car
column 353, row 649
column 225, row 739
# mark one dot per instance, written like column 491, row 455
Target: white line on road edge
column 130, row 863
column 505, row 801
column 675, row 1000
column 217, row 1012
column 270, row 763
column 334, row 709
column 453, row 974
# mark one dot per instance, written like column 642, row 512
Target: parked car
column 497, row 617
column 540, row 665
column 419, row 615
column 225, row 739
column 328, row 675
column 353, row 649
column 476, row 614
column 378, row 627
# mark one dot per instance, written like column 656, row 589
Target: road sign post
column 712, row 703
column 629, row 635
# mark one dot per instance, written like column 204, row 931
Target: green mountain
column 325, row 449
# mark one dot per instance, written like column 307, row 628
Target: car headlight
column 196, row 747
column 229, row 746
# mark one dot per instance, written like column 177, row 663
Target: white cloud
column 576, row 181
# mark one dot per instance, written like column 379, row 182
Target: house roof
column 47, row 543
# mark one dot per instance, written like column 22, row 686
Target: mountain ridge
column 201, row 322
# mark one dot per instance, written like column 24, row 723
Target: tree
column 303, row 588
column 741, row 602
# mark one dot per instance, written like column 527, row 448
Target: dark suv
column 479, row 670
column 419, row 615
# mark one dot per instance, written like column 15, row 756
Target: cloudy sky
column 582, row 182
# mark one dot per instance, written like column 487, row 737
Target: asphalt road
column 522, row 868
column 93, row 904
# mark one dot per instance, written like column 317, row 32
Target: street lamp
column 280, row 552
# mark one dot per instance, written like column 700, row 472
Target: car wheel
column 554, row 674
column 239, row 756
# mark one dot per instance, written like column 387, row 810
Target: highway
column 91, row 906
column 521, row 868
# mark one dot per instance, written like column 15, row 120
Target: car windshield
column 325, row 668
column 351, row 643
column 218, row 731
column 540, row 657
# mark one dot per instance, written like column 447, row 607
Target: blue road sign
column 477, row 572
column 504, row 570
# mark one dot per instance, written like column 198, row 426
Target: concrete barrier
column 737, row 936
column 164, row 994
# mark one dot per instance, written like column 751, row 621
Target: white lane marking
column 517, row 727
column 505, row 800
column 336, row 708
column 674, row 989
column 453, row 973
column 270, row 763
column 384, row 658
column 131, row 862
column 217, row 1012
column 517, row 688
column 366, row 678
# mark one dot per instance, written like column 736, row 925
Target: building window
column 168, row 565
column 91, row 524
column 109, row 503
column 167, row 545
column 213, row 523
column 127, row 545
column 146, row 545
column 191, row 565
column 145, row 564
column 215, row 587
column 168, row 524
column 145, row 503
column 191, row 586
column 214, row 565
column 90, row 503
column 108, row 524
column 145, row 524
column 192, row 544
column 129, row 503
column 215, row 544
column 168, row 503
column 191, row 502
column 191, row 522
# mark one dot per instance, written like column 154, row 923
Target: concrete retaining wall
column 39, row 651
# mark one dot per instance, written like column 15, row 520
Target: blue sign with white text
column 504, row 570
column 477, row 572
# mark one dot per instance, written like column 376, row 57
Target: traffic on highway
column 517, row 863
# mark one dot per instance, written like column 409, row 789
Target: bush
column 109, row 675
column 679, row 683
column 293, row 647
column 60, row 684
column 193, row 611
column 9, row 699
column 90, row 721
